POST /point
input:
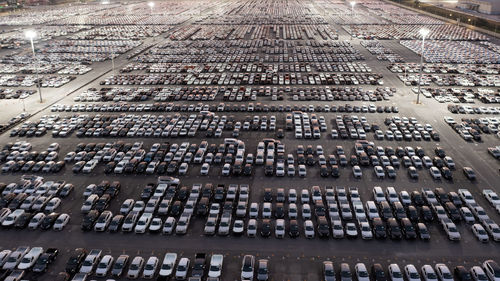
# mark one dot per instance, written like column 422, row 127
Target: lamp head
column 30, row 34
column 424, row 32
column 353, row 4
column 151, row 4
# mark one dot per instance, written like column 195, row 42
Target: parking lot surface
column 211, row 115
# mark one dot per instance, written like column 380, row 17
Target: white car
column 366, row 231
column 169, row 225
column 103, row 221
column 143, row 223
column 435, row 173
column 280, row 228
column 379, row 172
column 309, row 229
column 478, row 274
column 226, row 169
column 356, row 171
column 36, row 221
column 238, row 227
column 411, row 273
column 127, row 206
column 53, row 204
column 182, row 269
column 215, row 268
column 491, row 196
column 480, row 232
column 361, row 272
column 150, row 268
column 428, row 273
column 135, row 268
column 104, row 266
column 443, row 272
column 89, row 166
column 395, row 273
column 183, row 169
column 30, row 258
column 168, row 265
column 351, row 230
column 61, row 222
column 302, row 170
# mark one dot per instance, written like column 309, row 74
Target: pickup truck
column 199, row 265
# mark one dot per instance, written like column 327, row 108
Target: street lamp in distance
column 31, row 35
column 423, row 32
column 151, row 6
column 352, row 6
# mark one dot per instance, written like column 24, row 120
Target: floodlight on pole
column 424, row 32
column 352, row 6
column 31, row 35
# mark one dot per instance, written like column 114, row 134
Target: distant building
column 490, row 7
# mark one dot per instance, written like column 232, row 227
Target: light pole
column 424, row 32
column 352, row 7
column 113, row 59
column 151, row 6
column 31, row 34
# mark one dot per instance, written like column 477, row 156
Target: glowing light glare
column 30, row 34
column 151, row 4
column 105, row 2
column 424, row 32
column 353, row 4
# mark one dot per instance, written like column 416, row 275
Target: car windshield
column 397, row 274
column 414, row 275
column 431, row 275
column 481, row 277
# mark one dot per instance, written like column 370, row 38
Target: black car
column 202, row 207
column 183, row 193
column 115, row 223
column 378, row 272
column 43, row 262
column 417, row 198
column 147, row 192
column 265, row 229
column 102, row 203
column 335, row 171
column 453, row 212
column 48, row 221
column 109, row 167
column 23, row 220
column 199, row 265
column 412, row 213
column 323, row 228
column 323, row 171
column 394, row 229
column 440, row 152
column 141, row 167
column 268, row 195
column 426, row 213
column 294, row 229
column 462, row 274
column 113, row 189
column 75, row 260
column 247, row 170
column 162, row 168
column 176, row 208
column 279, row 212
column 219, row 193
column 58, row 166
column 408, row 229
column 379, row 228
column 89, row 220
column 446, row 172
